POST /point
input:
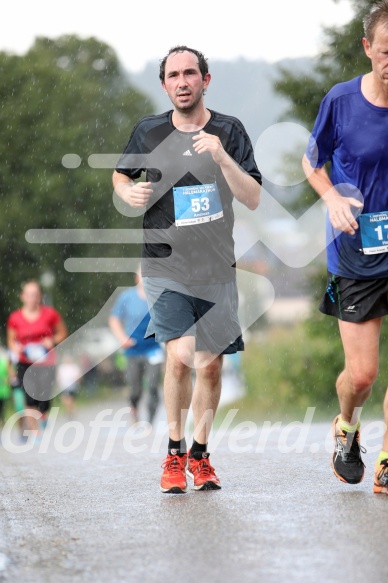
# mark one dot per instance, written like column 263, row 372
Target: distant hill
column 240, row 88
column 245, row 89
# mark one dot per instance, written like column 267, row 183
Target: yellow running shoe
column 380, row 485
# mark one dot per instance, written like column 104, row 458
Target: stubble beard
column 190, row 108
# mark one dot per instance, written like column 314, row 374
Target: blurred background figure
column 144, row 356
column 233, row 382
column 90, row 373
column 18, row 395
column 33, row 330
column 5, row 391
column 68, row 378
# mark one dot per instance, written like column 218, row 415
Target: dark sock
column 177, row 447
column 198, row 448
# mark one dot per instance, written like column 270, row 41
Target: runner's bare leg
column 207, row 392
column 177, row 384
column 385, row 409
column 361, row 347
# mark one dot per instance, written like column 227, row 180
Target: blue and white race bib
column 35, row 351
column 197, row 204
column 374, row 232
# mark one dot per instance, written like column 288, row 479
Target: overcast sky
column 144, row 31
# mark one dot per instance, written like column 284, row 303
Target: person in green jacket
column 5, row 390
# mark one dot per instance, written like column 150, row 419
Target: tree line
column 64, row 96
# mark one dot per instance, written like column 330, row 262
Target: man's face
column 377, row 51
column 183, row 81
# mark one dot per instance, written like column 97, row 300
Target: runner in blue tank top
column 351, row 133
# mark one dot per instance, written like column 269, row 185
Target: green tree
column 343, row 59
column 65, row 96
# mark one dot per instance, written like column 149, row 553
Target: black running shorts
column 207, row 312
column 355, row 300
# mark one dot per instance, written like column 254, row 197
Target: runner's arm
column 136, row 194
column 12, row 342
column 117, row 328
column 243, row 186
column 59, row 334
column 338, row 206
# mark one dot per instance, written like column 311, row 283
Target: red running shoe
column 203, row 474
column 173, row 480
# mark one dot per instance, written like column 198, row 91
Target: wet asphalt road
column 95, row 512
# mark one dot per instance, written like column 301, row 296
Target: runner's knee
column 362, row 380
column 180, row 355
column 177, row 367
column 211, row 372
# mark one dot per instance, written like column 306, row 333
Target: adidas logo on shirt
column 187, row 153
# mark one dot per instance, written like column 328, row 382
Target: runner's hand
column 340, row 213
column 204, row 142
column 136, row 195
column 47, row 342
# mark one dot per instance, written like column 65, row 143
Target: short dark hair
column 378, row 14
column 202, row 62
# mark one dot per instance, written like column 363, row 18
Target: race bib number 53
column 374, row 232
column 197, row 204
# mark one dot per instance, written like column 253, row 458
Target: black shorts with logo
column 355, row 300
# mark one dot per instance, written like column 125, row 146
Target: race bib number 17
column 374, row 232
column 197, row 204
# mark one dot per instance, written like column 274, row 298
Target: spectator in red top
column 32, row 332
